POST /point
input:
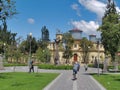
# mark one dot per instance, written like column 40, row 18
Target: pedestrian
column 86, row 67
column 31, row 66
column 76, row 68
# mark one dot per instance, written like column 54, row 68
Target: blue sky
column 57, row 14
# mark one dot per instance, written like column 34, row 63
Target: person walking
column 76, row 68
column 86, row 67
column 31, row 66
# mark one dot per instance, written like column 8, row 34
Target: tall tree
column 68, row 43
column 7, row 9
column 25, row 45
column 45, row 34
column 110, row 29
column 85, row 45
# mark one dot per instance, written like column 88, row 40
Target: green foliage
column 7, row 9
column 93, row 66
column 42, row 44
column 45, row 34
column 43, row 55
column 68, row 42
column 85, row 45
column 110, row 30
column 25, row 45
column 58, row 67
column 112, row 67
column 14, row 64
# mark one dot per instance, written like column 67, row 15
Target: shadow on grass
column 98, row 74
column 117, row 79
column 5, row 76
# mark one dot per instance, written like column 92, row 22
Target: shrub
column 59, row 67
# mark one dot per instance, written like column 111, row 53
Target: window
column 75, row 45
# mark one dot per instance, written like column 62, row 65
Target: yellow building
column 94, row 53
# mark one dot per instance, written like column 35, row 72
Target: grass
column 109, row 81
column 25, row 81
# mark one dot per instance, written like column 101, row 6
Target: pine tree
column 110, row 29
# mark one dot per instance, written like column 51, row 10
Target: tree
column 7, row 9
column 45, row 34
column 43, row 55
column 110, row 30
column 85, row 45
column 68, row 43
column 25, row 45
column 42, row 44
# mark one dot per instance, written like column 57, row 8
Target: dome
column 76, row 33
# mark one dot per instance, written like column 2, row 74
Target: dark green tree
column 45, row 34
column 42, row 44
column 85, row 45
column 110, row 29
column 68, row 43
column 7, row 9
column 25, row 45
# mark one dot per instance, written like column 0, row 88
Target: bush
column 92, row 65
column 58, row 67
column 14, row 64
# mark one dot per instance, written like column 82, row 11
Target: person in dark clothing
column 31, row 66
column 86, row 67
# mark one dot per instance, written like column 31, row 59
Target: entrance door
column 75, row 57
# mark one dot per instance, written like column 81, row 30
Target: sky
column 63, row 15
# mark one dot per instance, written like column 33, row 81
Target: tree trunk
column 115, row 66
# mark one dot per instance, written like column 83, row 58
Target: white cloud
column 118, row 9
column 31, row 21
column 76, row 8
column 86, row 27
column 94, row 6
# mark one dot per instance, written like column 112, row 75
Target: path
column 64, row 80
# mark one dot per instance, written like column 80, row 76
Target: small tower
column 92, row 38
column 76, row 33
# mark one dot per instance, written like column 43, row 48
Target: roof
column 75, row 30
column 93, row 35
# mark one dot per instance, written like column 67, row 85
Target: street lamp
column 88, row 52
column 30, row 39
column 98, row 43
column 4, row 49
column 56, row 59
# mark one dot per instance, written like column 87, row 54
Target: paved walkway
column 84, row 81
column 64, row 80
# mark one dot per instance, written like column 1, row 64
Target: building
column 94, row 53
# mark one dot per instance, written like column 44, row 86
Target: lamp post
column 98, row 42
column 30, row 39
column 88, row 52
column 4, row 49
column 56, row 59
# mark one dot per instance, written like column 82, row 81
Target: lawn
column 25, row 81
column 109, row 81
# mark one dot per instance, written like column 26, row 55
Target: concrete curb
column 101, row 87
column 53, row 82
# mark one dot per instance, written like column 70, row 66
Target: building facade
column 94, row 53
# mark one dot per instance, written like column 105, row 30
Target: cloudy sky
column 62, row 15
